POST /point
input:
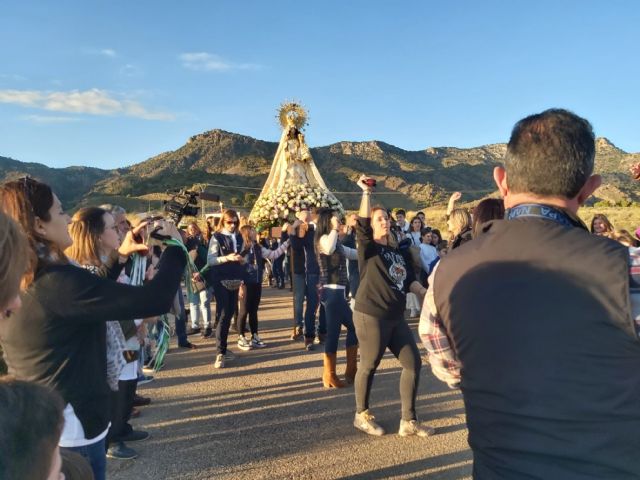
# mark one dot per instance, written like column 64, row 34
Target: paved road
column 267, row 416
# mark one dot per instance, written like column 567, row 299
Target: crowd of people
column 521, row 306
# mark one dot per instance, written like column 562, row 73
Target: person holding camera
column 226, row 273
column 386, row 274
column 65, row 310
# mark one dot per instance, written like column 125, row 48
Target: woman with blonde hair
column 95, row 238
column 460, row 227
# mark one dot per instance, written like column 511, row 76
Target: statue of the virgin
column 292, row 163
column 294, row 182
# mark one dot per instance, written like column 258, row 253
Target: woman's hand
column 233, row 257
column 361, row 183
column 335, row 223
column 242, row 292
column 455, row 196
column 132, row 242
column 365, row 203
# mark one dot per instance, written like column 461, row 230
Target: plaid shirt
column 444, row 363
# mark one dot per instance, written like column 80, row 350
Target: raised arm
column 365, row 203
column 364, row 233
column 455, row 196
column 83, row 297
column 273, row 254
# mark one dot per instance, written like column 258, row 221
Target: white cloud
column 12, row 76
column 202, row 61
column 108, row 52
column 25, row 98
column 130, row 70
column 45, row 119
column 91, row 102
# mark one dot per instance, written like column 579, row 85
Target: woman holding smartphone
column 58, row 337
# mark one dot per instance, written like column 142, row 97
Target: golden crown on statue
column 292, row 112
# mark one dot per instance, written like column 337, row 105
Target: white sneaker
column 219, row 361
column 365, row 421
column 243, row 343
column 412, row 427
column 256, row 342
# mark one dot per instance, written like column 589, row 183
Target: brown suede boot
column 352, row 364
column 297, row 333
column 329, row 377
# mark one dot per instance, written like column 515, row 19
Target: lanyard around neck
column 543, row 211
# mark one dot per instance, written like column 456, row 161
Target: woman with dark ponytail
column 332, row 259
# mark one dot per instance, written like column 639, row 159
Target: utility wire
column 348, row 193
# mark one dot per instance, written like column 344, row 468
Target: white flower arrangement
column 277, row 207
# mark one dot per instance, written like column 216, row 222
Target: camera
column 185, row 202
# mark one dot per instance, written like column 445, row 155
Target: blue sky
column 109, row 84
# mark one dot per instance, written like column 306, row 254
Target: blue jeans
column 307, row 286
column 312, row 306
column 337, row 313
column 278, row 271
column 96, row 455
column 299, row 292
column 200, row 305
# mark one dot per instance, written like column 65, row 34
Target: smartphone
column 370, row 182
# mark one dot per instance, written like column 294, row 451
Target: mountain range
column 236, row 166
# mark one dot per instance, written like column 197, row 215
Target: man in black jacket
column 533, row 319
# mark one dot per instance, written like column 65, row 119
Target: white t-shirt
column 73, row 433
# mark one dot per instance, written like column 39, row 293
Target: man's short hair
column 550, row 154
column 30, row 426
column 401, row 212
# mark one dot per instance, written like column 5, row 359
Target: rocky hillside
column 237, row 163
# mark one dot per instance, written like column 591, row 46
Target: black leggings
column 121, row 405
column 249, row 307
column 226, row 306
column 375, row 335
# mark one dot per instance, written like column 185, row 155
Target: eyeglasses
column 230, row 222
